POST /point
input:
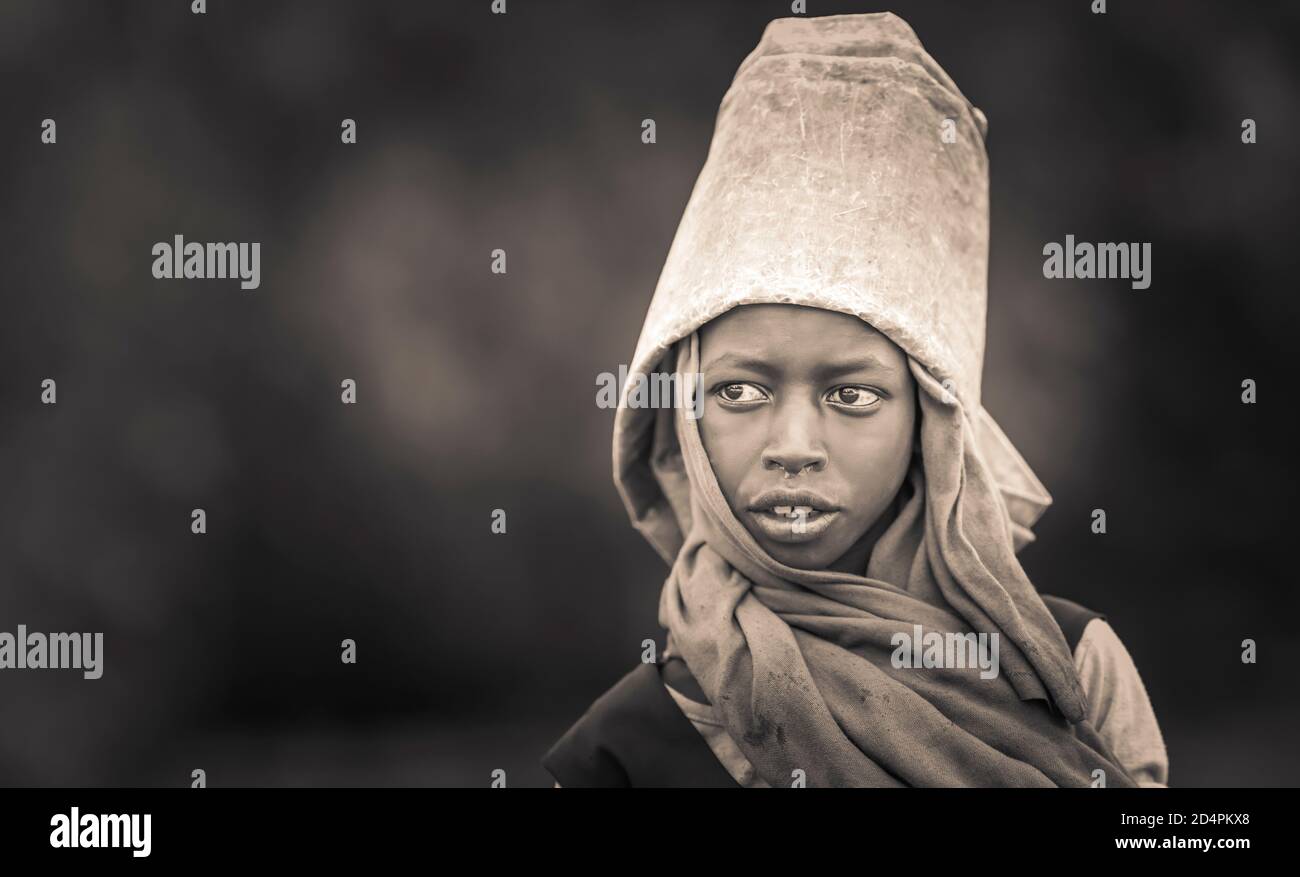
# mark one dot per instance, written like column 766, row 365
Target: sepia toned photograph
column 655, row 394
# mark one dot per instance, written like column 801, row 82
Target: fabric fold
column 798, row 662
column 847, row 172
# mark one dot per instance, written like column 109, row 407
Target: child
column 844, row 507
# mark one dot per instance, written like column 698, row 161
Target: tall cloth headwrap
column 847, row 172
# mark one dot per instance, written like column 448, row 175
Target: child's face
column 809, row 418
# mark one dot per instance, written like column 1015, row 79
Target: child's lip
column 785, row 497
column 791, row 528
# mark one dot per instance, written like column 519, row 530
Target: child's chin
column 809, row 555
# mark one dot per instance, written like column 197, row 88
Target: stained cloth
column 847, row 172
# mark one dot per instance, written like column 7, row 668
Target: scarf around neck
column 797, row 663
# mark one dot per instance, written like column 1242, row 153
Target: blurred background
column 476, row 391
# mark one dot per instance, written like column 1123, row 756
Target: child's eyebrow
column 744, row 362
column 863, row 364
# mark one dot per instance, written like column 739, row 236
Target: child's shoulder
column 1119, row 706
column 634, row 735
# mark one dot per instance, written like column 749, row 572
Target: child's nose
column 794, row 444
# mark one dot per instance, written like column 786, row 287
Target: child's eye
column 858, row 398
column 740, row 394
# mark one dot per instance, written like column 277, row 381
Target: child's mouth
column 792, row 524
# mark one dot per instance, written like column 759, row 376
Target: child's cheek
column 873, row 464
column 734, row 446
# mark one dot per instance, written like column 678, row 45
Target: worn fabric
column 1119, row 709
column 847, row 172
column 1119, row 706
column 797, row 663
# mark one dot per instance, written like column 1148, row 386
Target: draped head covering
column 847, row 172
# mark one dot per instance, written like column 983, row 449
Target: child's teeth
column 792, row 511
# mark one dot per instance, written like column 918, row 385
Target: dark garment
column 635, row 735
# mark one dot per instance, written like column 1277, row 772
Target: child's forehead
column 769, row 326
column 797, row 340
column 781, row 314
